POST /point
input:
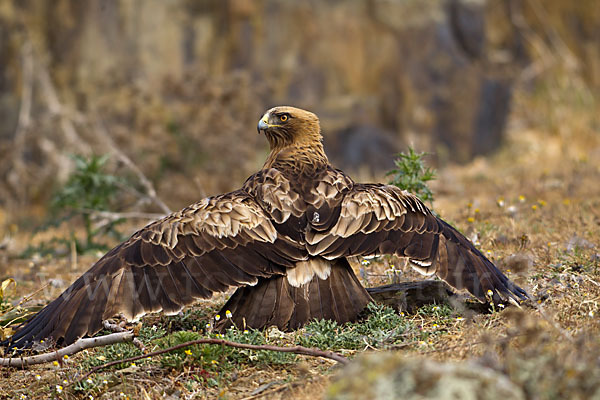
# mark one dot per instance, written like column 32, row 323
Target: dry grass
column 533, row 208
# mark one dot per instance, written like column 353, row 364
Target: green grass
column 383, row 327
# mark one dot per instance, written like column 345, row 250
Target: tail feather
column 340, row 297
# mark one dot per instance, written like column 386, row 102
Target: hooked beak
column 263, row 124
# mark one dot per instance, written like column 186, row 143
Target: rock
column 577, row 242
column 386, row 375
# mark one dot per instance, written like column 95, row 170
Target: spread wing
column 381, row 219
column 214, row 244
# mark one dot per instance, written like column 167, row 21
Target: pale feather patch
column 220, row 216
column 304, row 271
column 423, row 267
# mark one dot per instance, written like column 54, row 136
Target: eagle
column 283, row 240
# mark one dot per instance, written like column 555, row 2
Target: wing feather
column 220, row 242
column 381, row 219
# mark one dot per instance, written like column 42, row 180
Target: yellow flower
column 245, row 330
column 469, row 205
column 55, row 363
column 521, row 198
column 214, row 362
column 228, row 314
column 476, row 210
column 489, row 292
column 59, row 388
column 534, row 207
column 188, row 352
column 566, row 202
column 89, row 380
column 217, row 317
column 542, row 203
column 470, row 220
column 500, row 202
column 66, row 357
column 133, row 365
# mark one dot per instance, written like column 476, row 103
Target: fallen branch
column 76, row 347
column 116, row 328
column 292, row 349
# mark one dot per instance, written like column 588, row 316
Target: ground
column 532, row 207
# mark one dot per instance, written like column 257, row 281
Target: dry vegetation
column 533, row 207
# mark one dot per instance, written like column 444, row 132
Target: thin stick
column 151, row 192
column 76, row 347
column 292, row 349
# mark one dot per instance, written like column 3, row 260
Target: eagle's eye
column 283, row 117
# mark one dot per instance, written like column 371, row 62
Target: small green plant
column 114, row 352
column 89, row 189
column 412, row 175
column 383, row 327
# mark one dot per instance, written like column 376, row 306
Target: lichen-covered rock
column 386, row 375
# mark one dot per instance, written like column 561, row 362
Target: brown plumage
column 282, row 239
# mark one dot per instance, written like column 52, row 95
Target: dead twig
column 76, row 347
column 150, row 191
column 292, row 349
column 28, row 297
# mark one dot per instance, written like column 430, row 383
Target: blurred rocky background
column 173, row 88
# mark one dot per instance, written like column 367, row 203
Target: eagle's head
column 284, row 126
